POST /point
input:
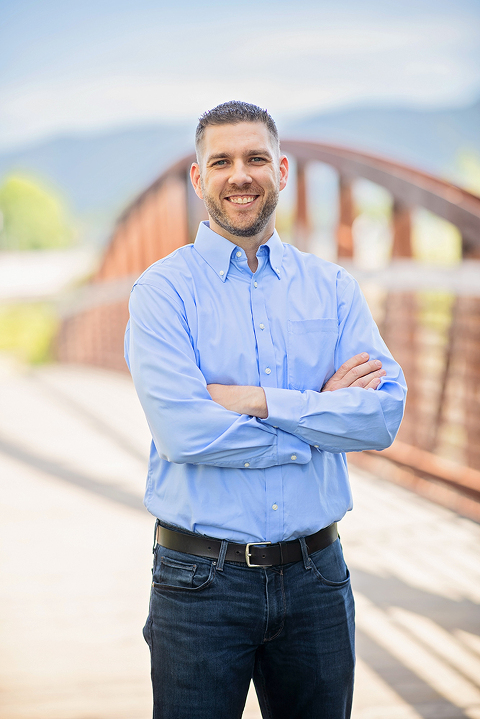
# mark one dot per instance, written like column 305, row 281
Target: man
column 257, row 366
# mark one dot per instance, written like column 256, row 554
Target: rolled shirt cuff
column 285, row 407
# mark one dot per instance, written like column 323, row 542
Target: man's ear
column 283, row 171
column 195, row 178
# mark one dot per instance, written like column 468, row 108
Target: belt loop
column 304, row 548
column 157, row 522
column 221, row 556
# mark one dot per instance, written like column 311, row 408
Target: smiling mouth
column 241, row 199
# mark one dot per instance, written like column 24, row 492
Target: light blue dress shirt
column 200, row 316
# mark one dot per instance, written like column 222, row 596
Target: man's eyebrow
column 218, row 156
column 227, row 155
column 253, row 153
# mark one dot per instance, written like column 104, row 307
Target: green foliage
column 27, row 330
column 467, row 170
column 372, row 200
column 435, row 309
column 34, row 218
column 435, row 240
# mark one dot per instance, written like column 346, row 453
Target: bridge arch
column 430, row 318
column 166, row 214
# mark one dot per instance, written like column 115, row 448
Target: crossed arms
column 349, row 414
column 358, row 371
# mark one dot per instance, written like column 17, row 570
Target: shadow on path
column 95, row 422
column 408, row 685
column 59, row 471
column 386, row 592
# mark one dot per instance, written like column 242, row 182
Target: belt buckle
column 248, row 555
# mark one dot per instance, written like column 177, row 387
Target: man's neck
column 249, row 244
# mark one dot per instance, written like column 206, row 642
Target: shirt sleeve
column 351, row 419
column 187, row 426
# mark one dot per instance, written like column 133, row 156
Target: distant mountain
column 99, row 174
column 427, row 139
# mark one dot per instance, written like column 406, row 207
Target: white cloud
column 171, row 74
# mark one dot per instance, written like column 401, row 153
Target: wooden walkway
column 75, row 566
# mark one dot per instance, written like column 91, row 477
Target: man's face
column 239, row 176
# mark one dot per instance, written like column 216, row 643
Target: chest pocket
column 310, row 352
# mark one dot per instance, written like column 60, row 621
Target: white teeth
column 241, row 200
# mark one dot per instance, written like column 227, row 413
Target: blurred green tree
column 27, row 330
column 468, row 170
column 33, row 217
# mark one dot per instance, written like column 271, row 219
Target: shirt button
column 268, row 370
column 274, row 506
column 247, row 464
column 294, row 456
column 316, row 446
column 221, row 273
column 239, row 254
column 255, row 284
column 262, row 326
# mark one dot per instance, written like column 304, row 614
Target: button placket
column 268, row 378
column 265, row 348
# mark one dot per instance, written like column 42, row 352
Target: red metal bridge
column 429, row 316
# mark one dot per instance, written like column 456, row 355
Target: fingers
column 371, row 380
column 360, row 375
column 358, row 371
column 350, row 364
column 362, row 370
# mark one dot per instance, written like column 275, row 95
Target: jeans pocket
column 329, row 565
column 172, row 574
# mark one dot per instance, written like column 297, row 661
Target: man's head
column 232, row 113
column 239, row 170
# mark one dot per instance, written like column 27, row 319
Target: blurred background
column 378, row 107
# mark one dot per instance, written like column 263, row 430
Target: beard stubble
column 215, row 211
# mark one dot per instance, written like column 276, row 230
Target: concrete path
column 75, row 567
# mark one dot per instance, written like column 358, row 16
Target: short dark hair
column 231, row 113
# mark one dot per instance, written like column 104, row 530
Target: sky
column 70, row 67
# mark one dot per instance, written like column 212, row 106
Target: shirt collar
column 217, row 250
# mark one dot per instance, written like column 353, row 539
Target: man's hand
column 358, row 371
column 241, row 399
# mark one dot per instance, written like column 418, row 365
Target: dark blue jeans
column 212, row 626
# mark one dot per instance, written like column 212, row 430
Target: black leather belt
column 254, row 554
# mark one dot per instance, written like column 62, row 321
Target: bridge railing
column 430, row 318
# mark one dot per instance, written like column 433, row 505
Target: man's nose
column 239, row 174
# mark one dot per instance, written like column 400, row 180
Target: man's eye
column 220, row 162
